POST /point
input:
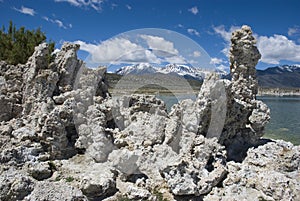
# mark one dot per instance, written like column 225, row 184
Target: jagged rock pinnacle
column 244, row 56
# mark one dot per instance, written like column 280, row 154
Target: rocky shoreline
column 63, row 137
column 278, row 92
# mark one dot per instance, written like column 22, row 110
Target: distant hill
column 152, row 83
column 286, row 76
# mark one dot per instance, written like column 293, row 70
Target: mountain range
column 285, row 76
column 185, row 71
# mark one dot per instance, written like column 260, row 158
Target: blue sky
column 209, row 23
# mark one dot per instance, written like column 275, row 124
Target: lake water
column 285, row 116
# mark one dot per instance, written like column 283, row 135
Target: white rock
column 55, row 191
column 24, row 134
column 96, row 180
column 15, row 185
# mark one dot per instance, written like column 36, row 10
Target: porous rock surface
column 63, row 137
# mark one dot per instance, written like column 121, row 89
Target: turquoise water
column 285, row 116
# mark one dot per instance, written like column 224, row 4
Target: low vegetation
column 69, row 179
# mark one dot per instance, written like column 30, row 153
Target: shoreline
column 278, row 92
column 269, row 92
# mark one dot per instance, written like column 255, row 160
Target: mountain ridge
column 284, row 76
column 185, row 71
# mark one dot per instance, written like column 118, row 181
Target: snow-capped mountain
column 285, row 76
column 183, row 70
column 138, row 69
column 187, row 72
column 285, row 68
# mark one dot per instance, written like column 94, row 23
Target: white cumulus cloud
column 226, row 35
column 273, row 49
column 175, row 60
column 118, row 50
column 128, row 7
column 59, row 23
column 194, row 10
column 220, row 64
column 294, row 31
column 215, row 60
column 95, row 4
column 159, row 44
column 276, row 48
column 164, row 49
column 196, row 54
column 122, row 50
column 26, row 11
column 193, row 32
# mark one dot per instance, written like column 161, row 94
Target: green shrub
column 159, row 195
column 69, row 179
column 58, row 178
column 17, row 45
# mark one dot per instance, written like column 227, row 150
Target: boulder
column 40, row 170
column 55, row 191
column 95, row 180
column 15, row 185
column 269, row 172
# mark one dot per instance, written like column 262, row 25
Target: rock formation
column 63, row 137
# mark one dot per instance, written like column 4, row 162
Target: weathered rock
column 206, row 116
column 144, row 129
column 95, row 180
column 6, row 108
column 24, row 133
column 39, row 80
column 269, row 172
column 125, row 161
column 246, row 117
column 95, row 142
column 139, row 120
column 5, row 130
column 48, row 128
column 199, row 172
column 235, row 192
column 153, row 161
column 93, row 139
column 40, row 170
column 55, row 191
column 67, row 65
column 226, row 110
column 11, row 83
column 59, row 131
column 132, row 191
column 12, row 154
column 15, row 185
column 185, row 152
